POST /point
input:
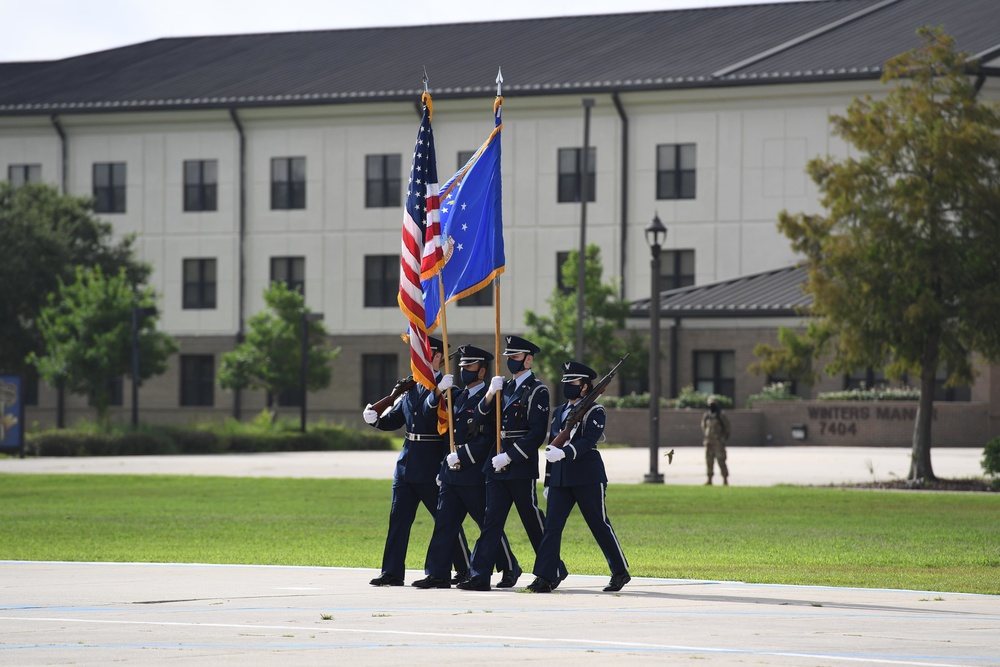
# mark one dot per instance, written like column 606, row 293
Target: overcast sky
column 51, row 29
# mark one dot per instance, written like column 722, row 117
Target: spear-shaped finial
column 499, row 81
column 425, row 79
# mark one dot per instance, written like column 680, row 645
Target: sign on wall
column 11, row 412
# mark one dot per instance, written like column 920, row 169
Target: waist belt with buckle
column 424, row 437
column 512, row 434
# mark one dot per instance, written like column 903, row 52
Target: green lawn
column 792, row 535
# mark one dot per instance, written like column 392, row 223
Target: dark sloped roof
column 825, row 39
column 776, row 293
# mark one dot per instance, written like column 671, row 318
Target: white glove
column 496, row 385
column 438, row 480
column 370, row 415
column 446, row 383
column 452, row 459
column 501, row 461
column 545, row 493
column 553, row 454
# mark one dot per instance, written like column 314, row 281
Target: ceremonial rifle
column 580, row 409
column 402, row 386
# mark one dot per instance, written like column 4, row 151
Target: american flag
column 421, row 255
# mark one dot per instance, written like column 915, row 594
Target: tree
column 605, row 315
column 44, row 236
column 87, row 332
column 904, row 268
column 271, row 357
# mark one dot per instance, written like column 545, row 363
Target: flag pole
column 444, row 318
column 496, row 310
column 496, row 301
column 444, row 339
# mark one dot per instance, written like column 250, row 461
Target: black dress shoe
column 510, row 577
column 555, row 584
column 432, row 582
column 541, row 585
column 617, row 582
column 386, row 579
column 475, row 585
column 460, row 577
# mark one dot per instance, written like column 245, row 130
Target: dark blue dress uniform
column 524, row 423
column 463, row 491
column 578, row 479
column 414, row 481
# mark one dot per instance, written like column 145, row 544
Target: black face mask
column 515, row 367
column 714, row 407
column 572, row 391
column 468, row 377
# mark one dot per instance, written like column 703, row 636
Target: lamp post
column 656, row 234
column 581, row 274
column 306, row 319
column 137, row 313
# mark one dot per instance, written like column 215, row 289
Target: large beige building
column 246, row 159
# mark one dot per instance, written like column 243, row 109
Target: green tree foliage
column 904, row 268
column 87, row 332
column 44, row 236
column 271, row 357
column 604, row 320
column 794, row 355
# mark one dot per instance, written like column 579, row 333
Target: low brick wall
column 847, row 424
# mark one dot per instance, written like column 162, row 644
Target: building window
column 463, row 158
column 199, row 284
column 29, row 388
column 865, row 378
column 288, row 183
column 21, row 174
column 379, row 373
column 116, row 393
column 290, row 398
column 570, row 169
column 675, row 171
column 676, row 269
column 381, row 281
column 383, row 180
column 561, row 284
column 636, row 381
column 109, row 187
column 961, row 393
column 197, row 379
column 200, row 183
column 791, row 385
column 291, row 271
column 483, row 297
column 715, row 372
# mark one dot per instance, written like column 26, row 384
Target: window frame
column 112, row 196
column 203, row 292
column 674, row 260
column 381, row 284
column 383, row 180
column 721, row 385
column 30, row 173
column 379, row 372
column 671, row 183
column 197, row 388
column 288, row 264
column 288, row 193
column 569, row 183
column 201, row 195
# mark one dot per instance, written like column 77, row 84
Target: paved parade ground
column 170, row 614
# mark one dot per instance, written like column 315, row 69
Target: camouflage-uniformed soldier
column 715, row 426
